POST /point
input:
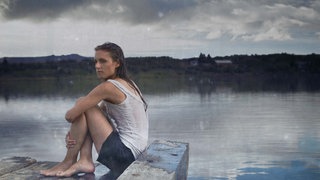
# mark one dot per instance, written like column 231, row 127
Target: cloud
column 250, row 20
column 210, row 19
column 138, row 11
column 37, row 10
column 173, row 24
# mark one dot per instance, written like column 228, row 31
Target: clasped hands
column 70, row 143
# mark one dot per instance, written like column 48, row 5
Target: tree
column 202, row 58
column 5, row 65
column 209, row 57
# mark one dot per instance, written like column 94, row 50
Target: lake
column 236, row 129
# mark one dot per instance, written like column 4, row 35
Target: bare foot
column 62, row 166
column 79, row 167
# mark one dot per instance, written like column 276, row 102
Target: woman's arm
column 104, row 91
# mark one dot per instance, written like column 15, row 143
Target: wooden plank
column 21, row 168
column 32, row 172
column 161, row 160
column 8, row 165
column 29, row 172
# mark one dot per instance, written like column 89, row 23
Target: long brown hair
column 121, row 71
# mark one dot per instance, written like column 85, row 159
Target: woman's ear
column 118, row 64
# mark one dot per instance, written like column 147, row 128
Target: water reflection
column 33, row 126
column 69, row 87
column 235, row 132
column 291, row 170
column 236, row 128
column 204, row 86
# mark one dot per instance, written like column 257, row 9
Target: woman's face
column 105, row 65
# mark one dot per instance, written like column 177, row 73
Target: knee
column 74, row 118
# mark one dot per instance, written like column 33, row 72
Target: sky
column 176, row 28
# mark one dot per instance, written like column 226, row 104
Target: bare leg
column 99, row 129
column 78, row 131
column 99, row 126
column 85, row 163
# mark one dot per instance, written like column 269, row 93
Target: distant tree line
column 203, row 64
column 285, row 63
column 272, row 63
column 46, row 69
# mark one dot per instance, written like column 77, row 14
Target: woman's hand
column 70, row 143
column 104, row 91
column 73, row 113
column 79, row 107
column 69, row 116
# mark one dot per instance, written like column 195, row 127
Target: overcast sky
column 176, row 28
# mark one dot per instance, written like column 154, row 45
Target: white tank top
column 130, row 119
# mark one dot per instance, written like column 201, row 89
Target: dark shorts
column 115, row 155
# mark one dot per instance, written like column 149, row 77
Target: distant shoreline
column 204, row 65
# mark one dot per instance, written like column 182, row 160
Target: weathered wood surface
column 161, row 160
column 21, row 168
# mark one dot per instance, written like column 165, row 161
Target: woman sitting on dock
column 112, row 116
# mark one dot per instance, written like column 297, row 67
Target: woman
column 112, row 116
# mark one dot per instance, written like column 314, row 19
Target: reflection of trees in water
column 6, row 94
column 71, row 87
column 204, row 85
column 258, row 83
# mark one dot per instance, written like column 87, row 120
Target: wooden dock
column 20, row 168
column 161, row 160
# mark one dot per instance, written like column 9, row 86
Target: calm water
column 233, row 133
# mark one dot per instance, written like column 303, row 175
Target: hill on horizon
column 44, row 59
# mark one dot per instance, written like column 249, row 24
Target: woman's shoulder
column 106, row 85
column 111, row 92
column 107, row 88
column 130, row 86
